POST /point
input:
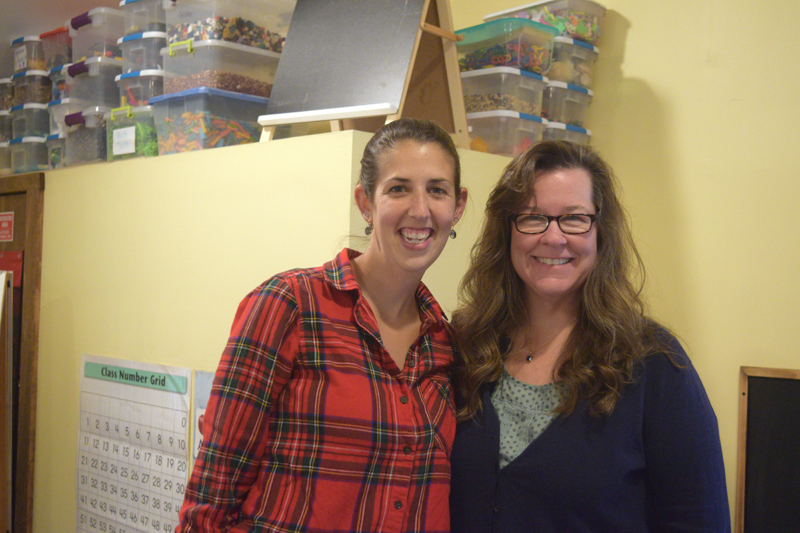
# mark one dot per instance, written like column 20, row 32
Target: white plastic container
column 136, row 88
column 57, row 46
column 567, row 103
column 28, row 53
column 142, row 51
column 573, row 62
column 131, row 132
column 86, row 136
column 58, row 109
column 6, row 94
column 219, row 65
column 5, row 159
column 5, row 126
column 56, row 150
column 564, row 132
column 143, row 15
column 31, row 87
column 59, row 82
column 95, row 33
column 506, row 133
column 580, row 19
column 30, row 120
column 507, row 88
column 509, row 42
column 92, row 81
column 28, row 154
column 203, row 118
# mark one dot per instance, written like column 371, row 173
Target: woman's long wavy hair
column 612, row 331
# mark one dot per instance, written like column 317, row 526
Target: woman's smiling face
column 554, row 265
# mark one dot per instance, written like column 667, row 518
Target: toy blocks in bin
column 567, row 103
column 86, row 136
column 95, row 33
column 131, row 132
column 136, row 88
column 219, row 65
column 203, row 118
column 28, row 53
column 143, row 15
column 6, row 94
column 92, row 81
column 28, row 154
column 503, row 132
column 31, row 87
column 59, row 82
column 59, row 109
column 509, row 42
column 5, row 126
column 142, row 51
column 559, row 131
column 57, row 46
column 5, row 159
column 573, row 62
column 580, row 19
column 248, row 22
column 507, row 88
column 30, row 120
column 56, row 150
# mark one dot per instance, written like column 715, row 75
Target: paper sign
column 124, row 141
column 7, row 226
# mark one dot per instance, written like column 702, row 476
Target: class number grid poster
column 133, row 445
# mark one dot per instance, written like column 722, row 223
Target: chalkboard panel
column 770, row 489
column 342, row 53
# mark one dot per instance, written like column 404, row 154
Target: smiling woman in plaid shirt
column 331, row 408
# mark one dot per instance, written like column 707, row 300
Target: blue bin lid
column 209, row 91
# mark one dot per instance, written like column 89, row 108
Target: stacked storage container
column 30, row 121
column 219, row 66
column 57, row 46
column 568, row 92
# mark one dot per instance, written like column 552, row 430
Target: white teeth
column 548, row 261
column 415, row 236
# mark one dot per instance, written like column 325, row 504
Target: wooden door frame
column 32, row 186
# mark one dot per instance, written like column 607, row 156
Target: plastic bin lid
column 126, row 2
column 513, row 10
column 5, row 80
column 28, row 39
column 60, row 101
column 3, row 144
column 128, row 111
column 60, row 69
column 218, row 43
column 565, row 85
column 208, row 91
column 4, row 112
column 48, row 34
column 142, row 35
column 30, row 73
column 506, row 113
column 503, row 70
column 29, row 106
column 55, row 136
column 20, row 140
column 568, row 127
column 577, row 42
column 479, row 33
column 140, row 74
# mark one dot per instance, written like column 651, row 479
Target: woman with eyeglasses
column 578, row 412
column 332, row 409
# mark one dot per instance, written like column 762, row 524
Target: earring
column 453, row 234
column 368, row 229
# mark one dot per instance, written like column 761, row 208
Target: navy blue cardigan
column 653, row 465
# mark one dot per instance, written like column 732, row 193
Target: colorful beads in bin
column 30, row 120
column 506, row 42
column 131, row 132
column 56, row 150
column 59, row 82
column 6, row 94
column 28, row 53
column 31, row 87
column 580, row 19
column 503, row 132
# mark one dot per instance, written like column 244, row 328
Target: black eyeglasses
column 571, row 224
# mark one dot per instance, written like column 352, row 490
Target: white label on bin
column 124, row 141
column 20, row 59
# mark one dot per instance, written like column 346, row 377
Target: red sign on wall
column 7, row 226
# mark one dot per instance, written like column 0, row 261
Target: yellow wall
column 695, row 108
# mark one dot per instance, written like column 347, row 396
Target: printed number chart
column 133, row 449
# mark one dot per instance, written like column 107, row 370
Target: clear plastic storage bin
column 580, row 19
column 28, row 154
column 131, row 132
column 5, row 126
column 95, row 33
column 57, row 46
column 143, row 15
column 506, row 43
column 506, row 133
column 219, row 65
column 248, row 22
column 202, row 118
column 31, row 87
column 503, row 88
column 58, row 109
column 6, row 94
column 86, row 136
column 28, row 53
column 567, row 103
column 136, row 88
column 142, row 51
column 59, row 84
column 573, row 62
column 56, row 150
column 5, row 159
column 559, row 131
column 30, row 120
column 92, row 81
